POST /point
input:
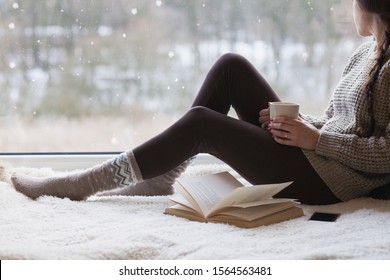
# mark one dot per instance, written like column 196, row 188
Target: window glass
column 98, row 75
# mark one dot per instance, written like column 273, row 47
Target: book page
column 210, row 189
column 184, row 212
column 187, row 197
column 264, row 202
column 179, row 199
column 276, row 217
column 249, row 194
column 250, row 214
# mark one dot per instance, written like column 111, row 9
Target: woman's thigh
column 253, row 153
column 247, row 148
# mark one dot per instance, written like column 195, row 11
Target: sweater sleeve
column 319, row 121
column 371, row 154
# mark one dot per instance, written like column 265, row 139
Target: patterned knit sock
column 161, row 185
column 120, row 171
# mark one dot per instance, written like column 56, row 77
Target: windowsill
column 72, row 161
column 57, row 161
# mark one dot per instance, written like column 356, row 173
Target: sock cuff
column 125, row 169
column 134, row 166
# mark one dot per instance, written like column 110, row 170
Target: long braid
column 383, row 50
column 382, row 9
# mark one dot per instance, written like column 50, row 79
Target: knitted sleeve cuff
column 329, row 144
column 318, row 122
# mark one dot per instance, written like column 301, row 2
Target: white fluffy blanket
column 136, row 228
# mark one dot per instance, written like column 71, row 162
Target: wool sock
column 120, row 171
column 161, row 185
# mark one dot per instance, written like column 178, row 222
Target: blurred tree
column 87, row 57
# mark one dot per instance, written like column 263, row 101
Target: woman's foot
column 68, row 186
column 118, row 172
column 161, row 185
column 145, row 188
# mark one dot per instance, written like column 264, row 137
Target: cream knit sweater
column 350, row 165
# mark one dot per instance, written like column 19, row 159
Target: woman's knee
column 234, row 60
column 199, row 118
column 198, row 113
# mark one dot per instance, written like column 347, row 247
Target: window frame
column 66, row 161
column 56, row 160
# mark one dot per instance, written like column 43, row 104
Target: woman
column 342, row 155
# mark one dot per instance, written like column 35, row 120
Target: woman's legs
column 160, row 185
column 231, row 82
column 242, row 144
column 247, row 148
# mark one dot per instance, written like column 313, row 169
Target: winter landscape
column 96, row 75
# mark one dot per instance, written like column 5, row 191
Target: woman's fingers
column 294, row 132
column 264, row 117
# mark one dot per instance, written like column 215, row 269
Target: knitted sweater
column 350, row 165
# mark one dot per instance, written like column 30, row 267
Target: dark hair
column 382, row 9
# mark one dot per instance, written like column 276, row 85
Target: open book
column 221, row 198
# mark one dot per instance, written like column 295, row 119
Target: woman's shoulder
column 366, row 45
column 364, row 49
column 362, row 52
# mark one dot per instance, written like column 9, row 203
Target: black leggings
column 240, row 143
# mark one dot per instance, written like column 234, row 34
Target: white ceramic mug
column 286, row 109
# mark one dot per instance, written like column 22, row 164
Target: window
column 97, row 75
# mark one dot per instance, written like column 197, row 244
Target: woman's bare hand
column 264, row 117
column 294, row 132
